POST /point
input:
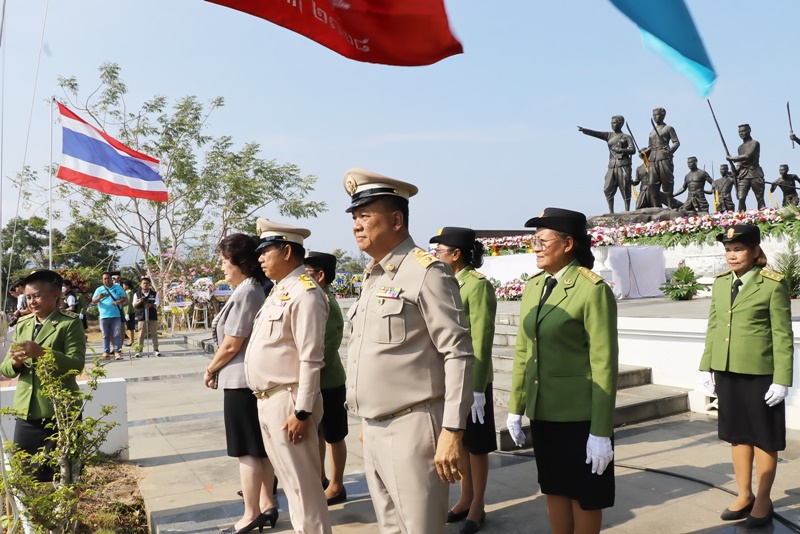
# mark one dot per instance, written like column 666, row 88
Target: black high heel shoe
column 257, row 523
column 270, row 516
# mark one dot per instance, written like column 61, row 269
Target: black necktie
column 549, row 284
column 36, row 328
column 735, row 291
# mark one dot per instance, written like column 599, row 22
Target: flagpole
column 50, row 189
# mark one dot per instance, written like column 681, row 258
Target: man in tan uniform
column 409, row 367
column 282, row 365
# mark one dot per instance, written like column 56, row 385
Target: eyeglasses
column 438, row 251
column 541, row 244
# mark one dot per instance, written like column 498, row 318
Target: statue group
column 656, row 175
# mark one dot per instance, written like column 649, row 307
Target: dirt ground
column 113, row 503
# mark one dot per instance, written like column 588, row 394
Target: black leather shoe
column 338, row 498
column 257, row 523
column 755, row 522
column 471, row 527
column 730, row 515
column 270, row 516
column 453, row 517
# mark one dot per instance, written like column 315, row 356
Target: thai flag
column 93, row 159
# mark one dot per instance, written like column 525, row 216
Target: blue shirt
column 106, row 305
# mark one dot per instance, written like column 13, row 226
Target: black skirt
column 242, row 429
column 560, row 450
column 481, row 438
column 744, row 417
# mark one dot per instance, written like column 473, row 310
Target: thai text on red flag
column 390, row 32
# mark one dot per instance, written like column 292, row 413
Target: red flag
column 390, row 32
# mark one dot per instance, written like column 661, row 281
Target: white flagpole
column 50, row 188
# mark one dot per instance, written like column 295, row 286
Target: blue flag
column 667, row 28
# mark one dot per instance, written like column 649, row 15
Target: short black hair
column 17, row 283
column 395, row 203
column 240, row 250
column 142, row 279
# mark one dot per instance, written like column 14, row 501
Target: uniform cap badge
column 731, row 233
column 350, row 185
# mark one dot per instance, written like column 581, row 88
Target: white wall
column 673, row 347
column 110, row 392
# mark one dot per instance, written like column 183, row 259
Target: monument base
column 644, row 215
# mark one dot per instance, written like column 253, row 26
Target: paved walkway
column 189, row 484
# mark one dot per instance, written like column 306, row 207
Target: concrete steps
column 638, row 399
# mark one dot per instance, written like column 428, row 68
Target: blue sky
column 489, row 136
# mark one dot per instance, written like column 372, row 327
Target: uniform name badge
column 388, row 293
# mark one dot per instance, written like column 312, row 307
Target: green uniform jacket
column 754, row 336
column 129, row 309
column 332, row 374
column 480, row 306
column 566, row 356
column 63, row 333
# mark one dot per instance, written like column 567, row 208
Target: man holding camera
column 145, row 302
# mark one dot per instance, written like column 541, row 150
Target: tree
column 25, row 246
column 87, row 243
column 205, row 201
column 350, row 263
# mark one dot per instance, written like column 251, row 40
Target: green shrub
column 788, row 264
column 683, row 285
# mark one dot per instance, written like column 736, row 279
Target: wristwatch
column 302, row 415
column 454, row 429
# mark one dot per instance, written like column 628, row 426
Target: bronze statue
column 694, row 182
column 723, row 186
column 643, row 178
column 750, row 175
column 620, row 149
column 663, row 144
column 786, row 182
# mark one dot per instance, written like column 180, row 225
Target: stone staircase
column 638, row 399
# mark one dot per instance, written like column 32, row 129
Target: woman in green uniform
column 46, row 328
column 565, row 374
column 747, row 363
column 458, row 248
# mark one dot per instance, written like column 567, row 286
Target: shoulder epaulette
column 476, row 274
column 26, row 317
column 426, row 259
column 772, row 275
column 69, row 314
column 307, row 282
column 723, row 274
column 591, row 275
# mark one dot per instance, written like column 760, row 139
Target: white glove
column 599, row 453
column 477, row 407
column 80, row 316
column 514, row 425
column 775, row 394
column 708, row 382
column 127, row 317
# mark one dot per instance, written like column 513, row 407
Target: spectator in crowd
column 145, row 304
column 130, row 313
column 321, row 267
column 110, row 299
